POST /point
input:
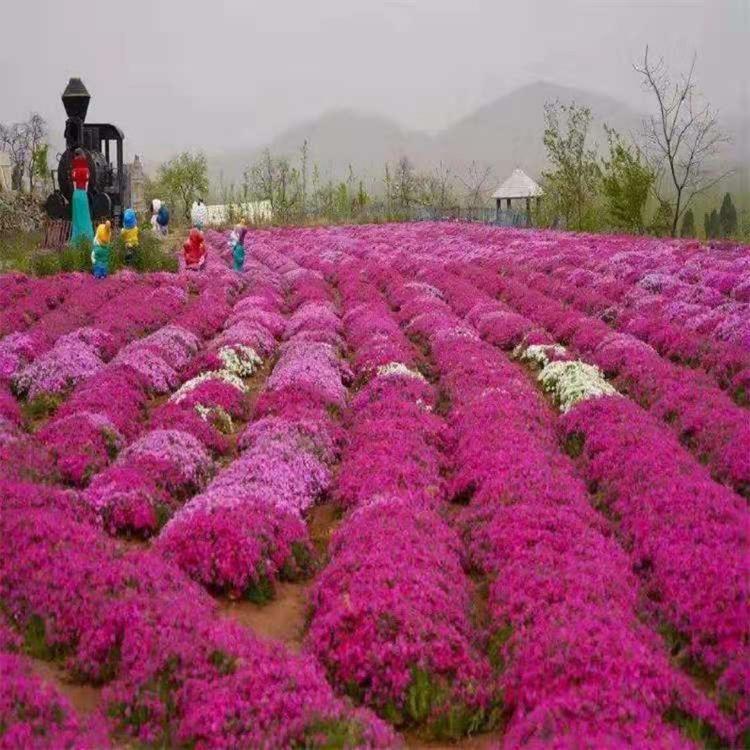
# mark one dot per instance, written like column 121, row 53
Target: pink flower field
column 406, row 485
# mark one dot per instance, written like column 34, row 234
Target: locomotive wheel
column 101, row 206
column 56, row 207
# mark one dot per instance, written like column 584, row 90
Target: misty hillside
column 508, row 132
column 336, row 139
column 505, row 133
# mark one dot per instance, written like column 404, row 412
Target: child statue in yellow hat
column 101, row 252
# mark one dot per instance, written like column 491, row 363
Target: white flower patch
column 398, row 369
column 240, row 360
column 571, row 382
column 539, row 354
column 224, row 375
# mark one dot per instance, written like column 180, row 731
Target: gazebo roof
column 518, row 185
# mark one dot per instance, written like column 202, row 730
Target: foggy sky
column 233, row 73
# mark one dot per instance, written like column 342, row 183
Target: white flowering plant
column 539, row 355
column 571, row 382
column 240, row 360
column 224, row 375
column 398, row 369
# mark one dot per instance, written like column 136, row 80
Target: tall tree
column 405, row 184
column 712, row 225
column 683, row 136
column 437, row 191
column 304, row 154
column 185, row 178
column 728, row 217
column 36, row 135
column 626, row 183
column 661, row 222
column 574, row 179
column 688, row 224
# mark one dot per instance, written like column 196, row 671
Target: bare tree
column 682, row 137
column 13, row 140
column 405, row 184
column 437, row 189
column 23, row 142
column 477, row 182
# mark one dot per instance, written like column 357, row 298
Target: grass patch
column 21, row 252
column 41, row 407
column 695, row 729
column 17, row 249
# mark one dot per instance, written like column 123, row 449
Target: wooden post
column 507, row 203
column 528, row 211
column 497, row 210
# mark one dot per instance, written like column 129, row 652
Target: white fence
column 257, row 212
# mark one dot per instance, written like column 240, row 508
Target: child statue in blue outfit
column 238, row 249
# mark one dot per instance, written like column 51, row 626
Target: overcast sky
column 225, row 73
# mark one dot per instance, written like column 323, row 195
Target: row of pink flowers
column 35, row 715
column 690, row 304
column 108, row 409
column 577, row 664
column 246, row 530
column 34, row 357
column 172, row 670
column 391, row 612
column 716, row 430
column 174, row 458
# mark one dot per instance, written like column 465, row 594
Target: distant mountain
column 336, row 139
column 506, row 133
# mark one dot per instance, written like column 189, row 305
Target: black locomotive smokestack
column 76, row 99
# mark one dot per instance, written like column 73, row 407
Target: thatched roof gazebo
column 518, row 186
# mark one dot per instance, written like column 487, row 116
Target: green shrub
column 76, row 256
column 152, row 254
column 45, row 263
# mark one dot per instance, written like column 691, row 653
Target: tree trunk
column 16, row 177
column 676, row 213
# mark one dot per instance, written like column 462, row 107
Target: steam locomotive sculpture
column 107, row 182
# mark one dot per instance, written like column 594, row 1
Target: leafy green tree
column 728, row 217
column 626, row 183
column 688, row 224
column 184, row 179
column 574, row 178
column 712, row 225
column 40, row 164
column 661, row 223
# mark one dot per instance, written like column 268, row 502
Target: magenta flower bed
column 172, row 669
column 391, row 615
column 554, row 595
column 82, row 444
column 478, row 578
column 715, row 429
column 33, row 714
column 689, row 536
column 247, row 531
